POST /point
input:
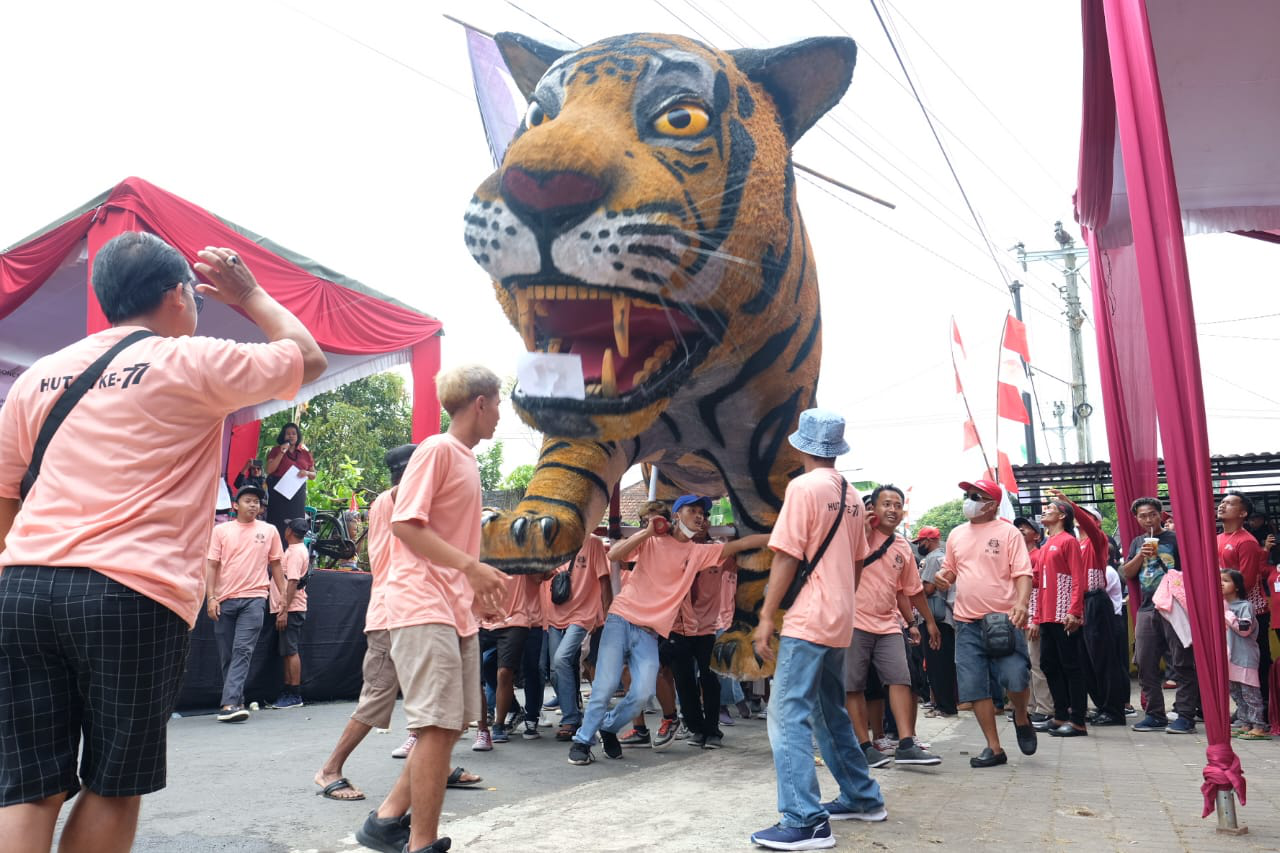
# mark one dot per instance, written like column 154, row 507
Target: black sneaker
column 635, row 737
column 989, row 758
column 388, row 835
column 915, row 755
column 714, row 741
column 580, row 754
column 440, row 845
column 698, row 741
column 609, row 741
column 530, row 730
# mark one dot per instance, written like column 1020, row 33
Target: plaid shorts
column 83, row 654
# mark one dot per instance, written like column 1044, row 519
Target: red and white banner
column 1011, row 413
column 974, row 455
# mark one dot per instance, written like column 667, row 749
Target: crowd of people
column 99, row 593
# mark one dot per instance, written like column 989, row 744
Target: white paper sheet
column 224, row 496
column 540, row 374
column 290, row 481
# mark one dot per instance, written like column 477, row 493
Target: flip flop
column 339, row 785
column 1252, row 736
column 455, row 779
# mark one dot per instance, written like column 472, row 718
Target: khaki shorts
column 378, row 695
column 439, row 673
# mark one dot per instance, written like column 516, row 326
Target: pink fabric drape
column 1169, row 323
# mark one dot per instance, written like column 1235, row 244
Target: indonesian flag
column 1011, row 414
column 973, row 452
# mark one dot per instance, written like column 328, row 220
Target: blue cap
column 821, row 433
column 688, row 500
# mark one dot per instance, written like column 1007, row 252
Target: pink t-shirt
column 381, row 547
column 522, row 607
column 665, row 570
column 244, row 550
column 441, row 489
column 584, row 607
column 823, row 611
column 984, row 559
column 129, row 481
column 699, row 613
column 296, row 558
column 876, row 609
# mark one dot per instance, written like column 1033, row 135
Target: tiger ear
column 805, row 79
column 526, row 59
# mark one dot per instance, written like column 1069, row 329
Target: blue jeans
column 808, row 700
column 979, row 676
column 620, row 643
column 565, row 646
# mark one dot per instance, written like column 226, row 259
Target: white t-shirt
column 1114, row 591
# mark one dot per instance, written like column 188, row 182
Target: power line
column 527, row 14
column 1238, row 319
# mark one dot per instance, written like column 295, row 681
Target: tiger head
column 642, row 216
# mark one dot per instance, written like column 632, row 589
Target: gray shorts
column 291, row 636
column 886, row 651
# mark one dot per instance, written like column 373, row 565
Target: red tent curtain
column 24, row 268
column 242, row 448
column 1169, row 327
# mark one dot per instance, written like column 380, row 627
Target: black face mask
column 922, row 549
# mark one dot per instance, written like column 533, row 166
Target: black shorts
column 80, row 653
column 509, row 643
column 291, row 636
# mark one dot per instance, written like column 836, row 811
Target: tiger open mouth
column 633, row 348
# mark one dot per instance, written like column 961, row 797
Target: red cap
column 989, row 488
column 927, row 533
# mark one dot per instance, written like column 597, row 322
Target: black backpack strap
column 808, row 565
column 67, row 402
column 881, row 551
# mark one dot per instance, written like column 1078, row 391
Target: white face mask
column 688, row 531
column 973, row 508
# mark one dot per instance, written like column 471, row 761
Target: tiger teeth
column 554, row 345
column 524, row 319
column 665, row 350
column 593, row 388
column 622, row 324
column 608, row 376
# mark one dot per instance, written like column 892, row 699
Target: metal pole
column 653, row 483
column 1080, row 408
column 1226, row 811
column 1058, row 411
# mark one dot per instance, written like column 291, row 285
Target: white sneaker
column 403, row 750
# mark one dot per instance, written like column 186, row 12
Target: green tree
column 518, row 479
column 946, row 517
column 490, row 462
column 352, row 426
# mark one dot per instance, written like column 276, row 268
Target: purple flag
column 496, row 93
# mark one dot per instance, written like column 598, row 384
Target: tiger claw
column 520, row 530
column 549, row 527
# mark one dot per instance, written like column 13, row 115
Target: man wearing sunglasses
column 987, row 561
column 103, row 574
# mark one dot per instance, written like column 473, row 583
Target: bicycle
column 335, row 537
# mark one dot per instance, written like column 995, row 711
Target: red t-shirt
column 1240, row 551
column 299, row 458
column 1060, row 579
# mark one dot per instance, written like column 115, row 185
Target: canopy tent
column 46, row 301
column 1210, row 115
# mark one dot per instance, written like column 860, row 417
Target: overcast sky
column 348, row 133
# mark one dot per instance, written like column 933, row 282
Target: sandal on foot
column 456, row 781
column 330, row 791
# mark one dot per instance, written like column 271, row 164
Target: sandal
column 455, row 779
column 1253, row 736
column 342, row 784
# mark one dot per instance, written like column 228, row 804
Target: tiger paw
column 523, row 543
column 734, row 654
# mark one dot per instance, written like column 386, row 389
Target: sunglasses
column 198, row 298
column 979, row 496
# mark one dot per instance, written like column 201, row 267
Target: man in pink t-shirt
column 237, row 584
column 109, row 542
column 987, row 561
column 643, row 613
column 571, row 622
column 808, row 682
column 433, row 596
column 888, row 584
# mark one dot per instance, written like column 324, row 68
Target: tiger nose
column 550, row 200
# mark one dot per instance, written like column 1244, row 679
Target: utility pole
column 1067, row 252
column 1058, row 411
column 1015, row 287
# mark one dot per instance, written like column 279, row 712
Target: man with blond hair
column 432, row 599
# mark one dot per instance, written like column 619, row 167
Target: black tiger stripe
column 646, row 250
column 760, row 361
column 766, row 441
column 807, row 347
column 586, row 474
column 675, row 173
column 577, row 510
column 739, row 506
column 654, row 229
column 552, row 448
column 671, row 424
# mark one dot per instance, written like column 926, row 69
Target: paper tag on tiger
column 541, row 374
